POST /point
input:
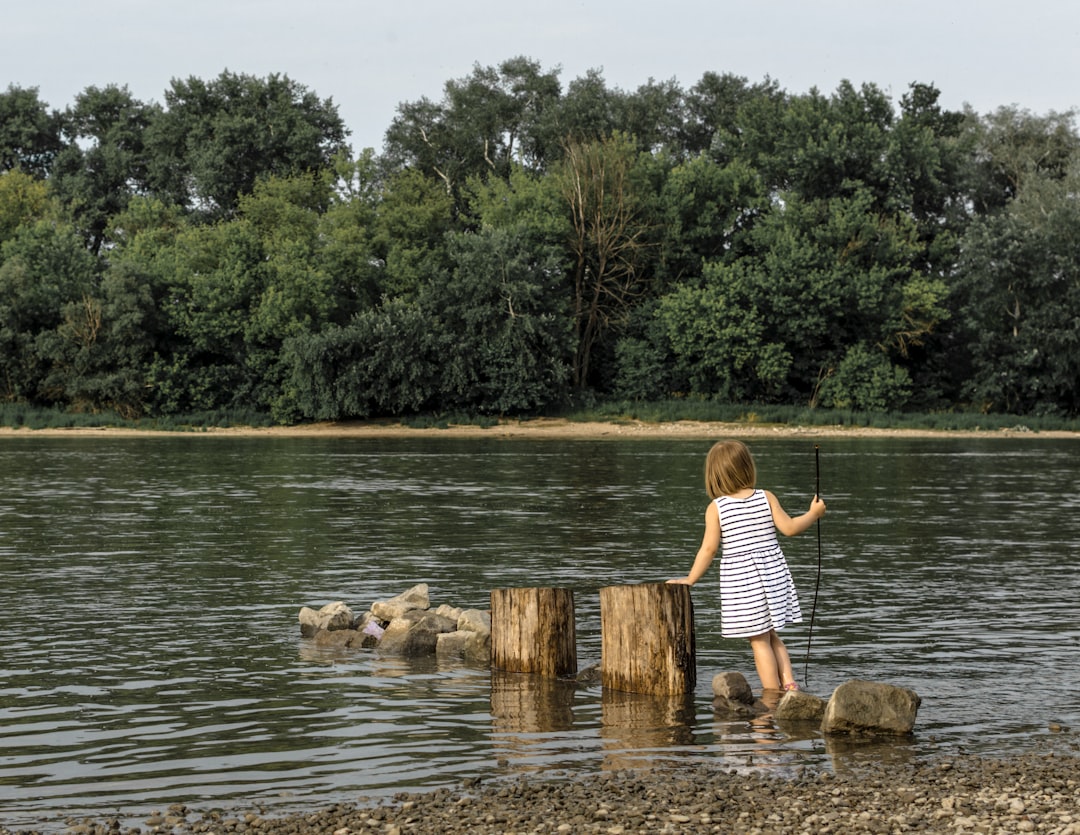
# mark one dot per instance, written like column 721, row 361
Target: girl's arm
column 709, row 544
column 788, row 526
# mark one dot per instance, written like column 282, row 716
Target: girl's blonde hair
column 729, row 468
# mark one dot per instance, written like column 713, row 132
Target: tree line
column 517, row 246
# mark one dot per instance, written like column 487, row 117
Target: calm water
column 149, row 591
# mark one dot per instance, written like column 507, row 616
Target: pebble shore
column 964, row 794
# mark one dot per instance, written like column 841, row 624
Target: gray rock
column 868, row 707
column 733, row 687
column 448, row 611
column 472, row 646
column 415, row 633
column 331, row 617
column 474, row 620
column 344, row 638
column 727, row 708
column 800, row 706
column 415, row 598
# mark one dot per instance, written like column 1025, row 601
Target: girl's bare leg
column 765, row 660
column 783, row 660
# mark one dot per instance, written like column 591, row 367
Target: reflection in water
column 634, row 727
column 527, row 703
column 846, row 753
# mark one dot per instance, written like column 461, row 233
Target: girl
column 757, row 594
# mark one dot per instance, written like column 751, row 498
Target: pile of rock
column 403, row 625
column 855, row 707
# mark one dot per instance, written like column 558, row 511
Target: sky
column 369, row 57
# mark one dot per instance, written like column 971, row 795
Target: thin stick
column 817, row 586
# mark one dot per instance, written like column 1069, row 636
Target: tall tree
column 104, row 163
column 608, row 238
column 216, row 139
column 483, row 123
column 1018, row 293
column 1012, row 144
column 44, row 268
column 29, row 132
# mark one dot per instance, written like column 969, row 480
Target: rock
column 332, row 616
column 395, row 607
column 800, row 706
column 339, row 638
column 869, row 707
column 472, row 646
column 474, row 620
column 734, row 687
column 415, row 633
column 727, row 708
column 447, row 611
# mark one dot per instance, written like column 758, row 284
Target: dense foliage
column 518, row 247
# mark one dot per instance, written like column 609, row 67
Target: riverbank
column 1027, row 793
column 545, row 428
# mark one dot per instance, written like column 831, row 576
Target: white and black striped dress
column 757, row 592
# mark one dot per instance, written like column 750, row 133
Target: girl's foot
column 791, row 685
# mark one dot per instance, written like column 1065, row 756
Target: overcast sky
column 370, row 56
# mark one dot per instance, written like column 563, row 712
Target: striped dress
column 756, row 590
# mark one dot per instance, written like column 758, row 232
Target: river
column 149, row 591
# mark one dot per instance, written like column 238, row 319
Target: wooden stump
column 647, row 642
column 532, row 631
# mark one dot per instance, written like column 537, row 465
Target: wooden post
column 532, row 631
column 647, row 642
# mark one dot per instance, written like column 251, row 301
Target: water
column 149, row 591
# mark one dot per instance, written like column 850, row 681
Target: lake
column 149, row 592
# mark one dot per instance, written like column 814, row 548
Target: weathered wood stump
column 647, row 642
column 532, row 631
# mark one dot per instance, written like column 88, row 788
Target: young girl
column 757, row 594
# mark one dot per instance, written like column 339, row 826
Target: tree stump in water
column 532, row 631
column 647, row 642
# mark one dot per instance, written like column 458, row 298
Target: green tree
column 1018, row 291
column 216, row 139
column 104, row 163
column 414, row 214
column 102, row 350
column 825, row 276
column 29, row 132
column 654, row 115
column 44, row 268
column 23, row 199
column 1012, row 144
column 483, row 123
column 497, row 324
column 714, row 112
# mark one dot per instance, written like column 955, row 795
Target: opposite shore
column 546, row 428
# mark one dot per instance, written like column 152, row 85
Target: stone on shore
column 868, row 707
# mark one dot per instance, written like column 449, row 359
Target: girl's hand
column 817, row 507
column 681, row 581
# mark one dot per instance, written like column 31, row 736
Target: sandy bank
column 546, row 428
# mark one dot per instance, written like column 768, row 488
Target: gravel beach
column 1027, row 793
